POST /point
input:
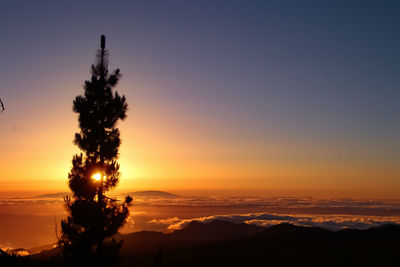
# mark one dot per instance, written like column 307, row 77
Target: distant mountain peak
column 54, row 195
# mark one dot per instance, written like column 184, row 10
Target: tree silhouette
column 93, row 217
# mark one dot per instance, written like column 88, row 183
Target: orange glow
column 96, row 176
column 175, row 155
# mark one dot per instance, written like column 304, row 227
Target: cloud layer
column 160, row 213
column 330, row 222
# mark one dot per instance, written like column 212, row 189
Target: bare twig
column 59, row 240
column 2, row 106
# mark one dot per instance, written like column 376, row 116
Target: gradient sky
column 251, row 95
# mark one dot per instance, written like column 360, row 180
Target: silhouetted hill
column 287, row 230
column 216, row 230
column 140, row 241
column 222, row 243
column 196, row 233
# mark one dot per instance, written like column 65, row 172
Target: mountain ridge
column 223, row 243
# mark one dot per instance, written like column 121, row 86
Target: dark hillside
column 222, row 243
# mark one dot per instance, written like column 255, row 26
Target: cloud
column 176, row 223
column 166, row 221
column 130, row 221
column 234, row 201
column 5, row 247
column 20, row 252
column 320, row 205
column 330, row 222
column 10, row 250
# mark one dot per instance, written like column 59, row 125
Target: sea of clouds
column 330, row 222
column 30, row 221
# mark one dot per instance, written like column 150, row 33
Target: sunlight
column 96, row 176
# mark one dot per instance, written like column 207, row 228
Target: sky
column 297, row 97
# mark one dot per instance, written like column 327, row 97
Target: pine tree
column 93, row 217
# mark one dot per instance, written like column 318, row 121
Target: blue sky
column 316, row 79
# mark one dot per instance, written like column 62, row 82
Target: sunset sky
column 258, row 96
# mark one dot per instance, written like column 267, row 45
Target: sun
column 96, row 176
